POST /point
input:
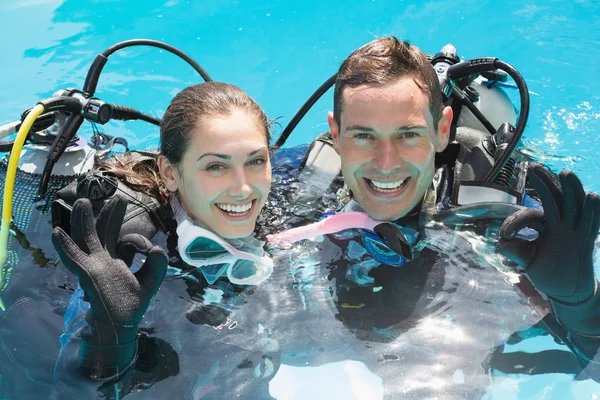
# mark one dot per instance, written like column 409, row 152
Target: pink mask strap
column 332, row 224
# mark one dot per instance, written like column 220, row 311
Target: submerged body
column 450, row 324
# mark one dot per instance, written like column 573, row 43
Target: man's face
column 387, row 142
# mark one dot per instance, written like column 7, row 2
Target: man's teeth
column 237, row 208
column 388, row 185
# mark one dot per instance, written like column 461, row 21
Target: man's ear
column 334, row 130
column 443, row 131
column 168, row 173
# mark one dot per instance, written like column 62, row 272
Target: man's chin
column 387, row 215
column 382, row 213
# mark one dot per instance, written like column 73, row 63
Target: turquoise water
column 280, row 52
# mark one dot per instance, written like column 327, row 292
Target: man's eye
column 410, row 135
column 363, row 135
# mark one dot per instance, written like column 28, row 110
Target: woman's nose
column 240, row 188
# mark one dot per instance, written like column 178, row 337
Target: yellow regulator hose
column 9, row 186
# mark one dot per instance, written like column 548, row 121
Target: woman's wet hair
column 201, row 101
column 188, row 107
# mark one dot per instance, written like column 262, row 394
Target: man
column 388, row 123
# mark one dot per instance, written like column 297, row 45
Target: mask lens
column 213, row 272
column 204, row 249
column 382, row 253
column 242, row 269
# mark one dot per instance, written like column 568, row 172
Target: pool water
column 280, row 52
column 349, row 335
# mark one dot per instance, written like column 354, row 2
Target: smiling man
column 388, row 122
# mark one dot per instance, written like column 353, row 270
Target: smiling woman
column 214, row 155
column 210, row 178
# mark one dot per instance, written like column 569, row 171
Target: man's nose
column 386, row 159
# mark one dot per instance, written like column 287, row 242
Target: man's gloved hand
column 118, row 298
column 560, row 261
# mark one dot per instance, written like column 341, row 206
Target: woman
column 213, row 174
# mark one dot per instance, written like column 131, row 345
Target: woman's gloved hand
column 118, row 298
column 559, row 261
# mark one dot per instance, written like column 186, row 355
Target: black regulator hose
column 304, row 109
column 124, row 113
column 42, row 122
column 458, row 93
column 480, row 65
column 91, row 80
column 57, row 149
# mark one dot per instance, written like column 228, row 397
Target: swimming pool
column 253, row 47
column 281, row 52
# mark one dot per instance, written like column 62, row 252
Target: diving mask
column 388, row 234
column 201, row 248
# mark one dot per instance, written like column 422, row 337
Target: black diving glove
column 559, row 262
column 131, row 244
column 118, row 298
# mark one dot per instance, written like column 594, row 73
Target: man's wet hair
column 384, row 61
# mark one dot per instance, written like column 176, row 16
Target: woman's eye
column 215, row 167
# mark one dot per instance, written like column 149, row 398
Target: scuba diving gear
column 75, row 106
column 91, row 80
column 559, row 261
column 145, row 215
column 9, row 185
column 506, row 137
column 42, row 123
column 200, row 247
column 480, row 65
column 441, row 62
column 108, row 142
column 48, row 105
column 118, row 298
column 304, row 109
column 486, row 167
column 390, row 243
column 459, row 74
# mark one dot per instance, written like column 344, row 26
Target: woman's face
column 225, row 174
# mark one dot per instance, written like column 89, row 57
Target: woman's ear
column 168, row 173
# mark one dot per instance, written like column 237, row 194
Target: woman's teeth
column 383, row 186
column 235, row 208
